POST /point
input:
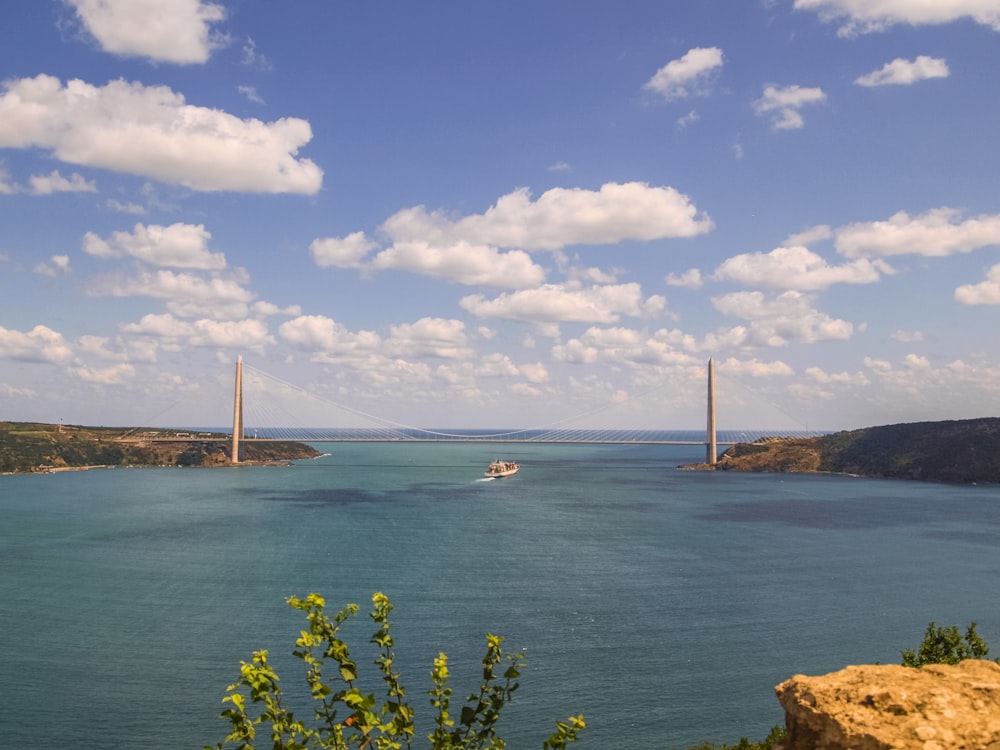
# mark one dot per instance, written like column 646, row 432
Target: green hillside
column 36, row 447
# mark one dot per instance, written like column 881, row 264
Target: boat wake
column 486, row 479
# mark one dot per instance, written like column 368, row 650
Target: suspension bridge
column 377, row 429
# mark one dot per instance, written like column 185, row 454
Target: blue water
column 665, row 605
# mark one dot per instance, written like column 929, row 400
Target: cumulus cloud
column 938, row 232
column 783, row 104
column 625, row 345
column 179, row 246
column 205, row 332
column 984, row 293
column 796, row 268
column 181, row 33
column 552, row 303
column 463, row 263
column 687, row 75
column 150, row 131
column 317, row 333
column 56, row 183
column 778, row 321
column 40, row 344
column 107, row 376
column 428, row 337
column 342, row 252
column 690, row 279
column 571, row 216
column 187, row 295
column 867, row 16
column 905, row 72
column 819, row 375
column 471, row 250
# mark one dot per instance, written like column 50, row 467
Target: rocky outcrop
column 890, row 707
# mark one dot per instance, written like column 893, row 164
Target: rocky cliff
column 953, row 451
column 936, row 707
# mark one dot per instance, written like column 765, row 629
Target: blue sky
column 502, row 215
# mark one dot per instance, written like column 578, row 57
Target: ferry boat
column 502, row 469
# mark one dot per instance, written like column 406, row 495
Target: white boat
column 502, row 469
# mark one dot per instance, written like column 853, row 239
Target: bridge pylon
column 238, row 411
column 711, row 448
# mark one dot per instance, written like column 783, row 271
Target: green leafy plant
column 945, row 645
column 344, row 717
column 776, row 734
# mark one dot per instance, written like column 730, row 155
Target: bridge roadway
column 581, row 441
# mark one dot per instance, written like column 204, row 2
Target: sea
column 663, row 604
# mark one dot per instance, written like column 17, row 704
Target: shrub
column 946, row 646
column 344, row 717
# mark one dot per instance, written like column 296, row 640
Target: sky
column 472, row 214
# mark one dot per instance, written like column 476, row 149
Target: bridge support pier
column 711, row 449
column 238, row 411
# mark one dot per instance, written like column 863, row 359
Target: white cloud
column 250, row 92
column 40, row 344
column 124, row 208
column 905, row 72
column 341, row 252
column 624, row 346
column 781, row 320
column 907, row 337
column 205, row 332
column 937, row 232
column 561, row 217
column 113, row 375
column 867, row 16
column 428, row 337
column 687, row 75
column 783, row 104
column 187, row 295
column 755, row 368
column 174, row 31
column 7, row 187
column 688, row 119
column 796, row 268
column 57, row 265
column 470, row 250
column 558, row 304
column 317, row 333
column 254, row 58
column 819, row 375
column 150, row 131
column 178, row 246
column 984, row 293
column 264, row 309
column 463, row 263
column 56, row 183
column 690, row 279
column 809, row 236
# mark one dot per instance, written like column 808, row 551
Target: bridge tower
column 238, row 411
column 711, row 456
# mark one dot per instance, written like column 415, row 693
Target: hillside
column 36, row 447
column 953, row 451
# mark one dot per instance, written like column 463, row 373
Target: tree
column 946, row 645
column 346, row 718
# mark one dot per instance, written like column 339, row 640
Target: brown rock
column 890, row 707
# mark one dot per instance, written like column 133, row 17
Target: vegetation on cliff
column 953, row 451
column 34, row 447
